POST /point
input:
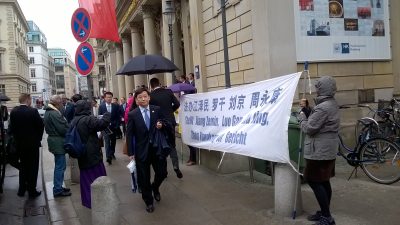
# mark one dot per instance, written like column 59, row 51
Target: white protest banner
column 250, row 120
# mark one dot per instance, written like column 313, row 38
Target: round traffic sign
column 81, row 24
column 84, row 58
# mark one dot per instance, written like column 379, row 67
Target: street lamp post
column 225, row 41
column 169, row 17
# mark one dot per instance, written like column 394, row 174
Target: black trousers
column 109, row 144
column 323, row 193
column 173, row 153
column 123, row 128
column 159, row 165
column 192, row 155
column 28, row 172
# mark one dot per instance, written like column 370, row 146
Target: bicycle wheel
column 380, row 160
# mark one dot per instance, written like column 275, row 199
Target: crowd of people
column 148, row 125
column 145, row 120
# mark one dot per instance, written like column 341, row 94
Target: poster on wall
column 340, row 30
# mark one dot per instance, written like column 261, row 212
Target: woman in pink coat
column 129, row 103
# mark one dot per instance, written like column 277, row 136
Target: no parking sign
column 81, row 24
column 84, row 58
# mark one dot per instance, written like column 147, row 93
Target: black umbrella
column 4, row 98
column 147, row 64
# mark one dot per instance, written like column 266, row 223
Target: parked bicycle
column 378, row 157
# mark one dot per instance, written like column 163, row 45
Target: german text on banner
column 250, row 120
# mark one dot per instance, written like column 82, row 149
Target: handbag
column 12, row 155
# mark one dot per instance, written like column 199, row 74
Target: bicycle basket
column 383, row 108
column 395, row 103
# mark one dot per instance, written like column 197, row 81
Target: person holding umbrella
column 166, row 100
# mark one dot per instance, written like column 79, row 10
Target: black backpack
column 73, row 144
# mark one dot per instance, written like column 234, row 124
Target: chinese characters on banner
column 250, row 120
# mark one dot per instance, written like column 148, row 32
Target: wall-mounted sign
column 329, row 30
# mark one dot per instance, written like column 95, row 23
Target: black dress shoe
column 34, row 194
column 21, row 193
column 63, row 194
column 157, row 196
column 66, row 189
column 178, row 173
column 109, row 161
column 150, row 208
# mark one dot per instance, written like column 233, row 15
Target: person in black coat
column 166, row 100
column 110, row 139
column 91, row 163
column 27, row 128
column 70, row 107
column 142, row 124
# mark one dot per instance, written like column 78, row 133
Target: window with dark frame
column 33, row 87
column 3, row 89
column 33, row 73
column 30, row 49
column 32, row 60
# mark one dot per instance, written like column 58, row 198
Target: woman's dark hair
column 306, row 101
column 76, row 97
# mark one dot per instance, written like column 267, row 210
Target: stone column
column 137, row 49
column 198, row 46
column 176, row 40
column 121, row 78
column 150, row 40
column 129, row 80
column 395, row 35
column 274, row 49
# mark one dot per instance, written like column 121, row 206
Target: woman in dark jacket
column 320, row 146
column 91, row 164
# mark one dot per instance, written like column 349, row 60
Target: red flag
column 104, row 21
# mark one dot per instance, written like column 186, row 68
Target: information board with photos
column 330, row 30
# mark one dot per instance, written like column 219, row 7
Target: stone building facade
column 41, row 87
column 261, row 45
column 65, row 72
column 14, row 63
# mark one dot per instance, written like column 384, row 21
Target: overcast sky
column 54, row 19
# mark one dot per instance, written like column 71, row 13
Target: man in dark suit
column 110, row 138
column 27, row 127
column 142, row 124
column 166, row 100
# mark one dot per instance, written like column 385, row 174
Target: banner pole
column 220, row 162
column 306, row 75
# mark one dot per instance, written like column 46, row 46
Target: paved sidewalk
column 16, row 210
column 204, row 197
